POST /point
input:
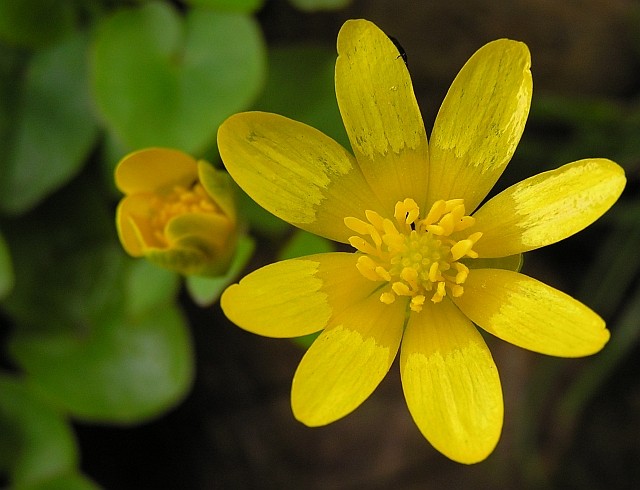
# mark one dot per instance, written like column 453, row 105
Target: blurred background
column 116, row 375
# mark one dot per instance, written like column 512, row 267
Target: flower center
column 178, row 201
column 416, row 257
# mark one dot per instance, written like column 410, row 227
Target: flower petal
column 380, row 113
column 154, row 168
column 295, row 172
column 530, row 314
column 135, row 234
column 347, row 361
column 480, row 123
column 295, row 297
column 451, row 383
column 219, row 186
column 547, row 207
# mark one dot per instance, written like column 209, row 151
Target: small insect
column 403, row 53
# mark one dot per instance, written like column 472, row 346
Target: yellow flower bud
column 177, row 212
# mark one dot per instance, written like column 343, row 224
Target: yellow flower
column 177, row 212
column 430, row 260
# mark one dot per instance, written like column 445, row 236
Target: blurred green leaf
column 300, row 85
column 304, row 243
column 164, row 80
column 234, row 5
column 148, row 286
column 315, row 5
column 260, row 220
column 55, row 127
column 6, row 269
column 69, row 481
column 123, row 370
column 96, row 335
column 206, row 290
column 36, row 443
column 34, row 23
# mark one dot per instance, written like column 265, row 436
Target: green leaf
column 315, row 5
column 164, row 80
column 304, row 243
column 55, row 127
column 247, row 6
column 300, row 85
column 69, row 481
column 122, row 370
column 97, row 335
column 33, row 23
column 510, row 263
column 36, row 443
column 148, row 286
column 206, row 290
column 6, row 269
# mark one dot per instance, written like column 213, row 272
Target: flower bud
column 177, row 212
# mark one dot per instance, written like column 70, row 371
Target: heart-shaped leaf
column 161, row 79
column 36, row 442
column 98, row 333
column 125, row 370
column 234, row 5
column 54, row 128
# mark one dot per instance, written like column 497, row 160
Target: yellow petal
column 295, row 297
column 548, row 207
column 480, row 123
column 135, row 234
column 219, row 186
column 347, row 361
column 154, row 168
column 380, row 113
column 451, row 383
column 530, row 314
column 295, row 172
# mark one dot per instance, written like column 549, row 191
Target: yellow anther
column 440, row 293
column 401, row 289
column 367, row 267
column 465, row 222
column 383, row 273
column 447, row 223
column 461, row 249
column 434, row 272
column 389, row 228
column 356, row 225
column 436, row 211
column 410, row 275
column 417, row 302
column 387, row 298
column 361, row 244
column 418, row 258
column 374, row 218
column 435, row 230
column 452, row 203
column 463, row 272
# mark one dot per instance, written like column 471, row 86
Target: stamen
column 177, row 201
column 418, row 258
column 356, row 225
